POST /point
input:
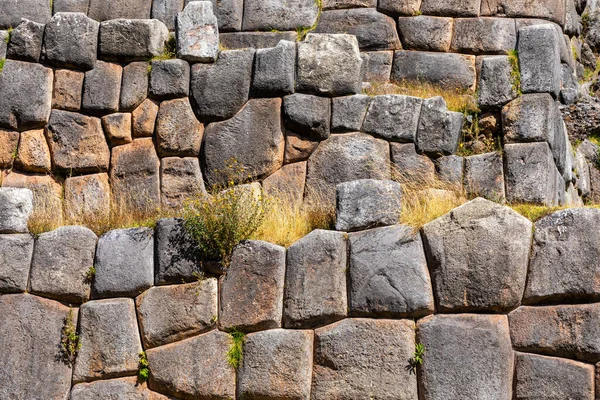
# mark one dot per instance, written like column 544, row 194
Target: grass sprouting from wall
column 515, row 71
column 236, row 351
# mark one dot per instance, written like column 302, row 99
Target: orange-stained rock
column 34, row 154
column 287, row 184
column 9, row 141
column 298, row 148
column 86, row 197
column 117, row 128
column 180, row 179
column 144, row 117
column 68, row 87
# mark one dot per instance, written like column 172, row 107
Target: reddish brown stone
column 287, row 184
column 67, row 89
column 298, row 148
column 117, row 128
column 87, row 197
column 34, row 154
column 144, row 117
column 178, row 131
column 180, row 179
column 8, row 145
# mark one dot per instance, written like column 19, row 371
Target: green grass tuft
column 69, row 341
column 236, row 351
column 143, row 368
column 515, row 73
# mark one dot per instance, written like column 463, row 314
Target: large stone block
column 344, row 348
column 102, row 88
column 102, row 10
column 178, row 131
column 229, row 14
column 455, row 71
column 542, row 377
column 315, row 282
column 26, row 41
column 484, row 35
column 539, row 59
column 33, row 154
column 258, row 40
column 194, row 368
column 308, row 115
column 169, row 79
column 253, row 138
column 124, row 388
column 252, row 290
column 274, row 70
column 77, row 142
column 496, row 278
column 117, row 128
column 166, row 11
column 287, row 184
column 197, row 33
column 373, row 30
column 87, row 197
column 450, row 169
column 71, row 41
column 171, row 313
column 63, row 6
column 15, row 259
column 530, row 118
column 30, row 341
column 496, row 86
column 15, row 10
column 485, row 371
column 134, row 86
column 484, row 176
column 329, row 65
column 9, row 142
column 68, row 87
column 393, row 117
column 405, row 7
column 297, row 147
column 377, row 66
column 180, row 180
column 425, row 33
column 569, row 331
column 348, row 113
column 451, row 8
column 221, row 89
column 439, row 129
column 61, row 262
column 131, row 39
column 47, row 197
column 553, row 10
column 177, row 257
column 110, row 342
column 265, row 15
column 16, row 207
column 410, row 165
column 388, row 274
column 276, row 364
column 143, row 118
column 26, row 99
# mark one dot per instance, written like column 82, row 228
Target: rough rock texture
column 63, row 6
column 143, row 118
column 26, row 95
column 47, row 195
column 495, row 279
column 171, row 313
column 87, row 197
column 180, row 180
column 177, row 258
column 16, row 206
column 569, row 331
column 373, row 30
column 229, row 14
column 71, row 41
column 258, row 40
column 77, row 142
column 102, row 10
column 388, row 274
column 450, row 169
column 348, row 113
column 308, row 115
column 298, row 148
column 101, row 88
column 393, row 117
column 219, row 90
column 15, row 258
column 166, row 11
column 539, row 59
column 35, row 10
column 495, row 85
column 169, row 79
column 9, row 142
column 30, row 337
column 315, row 282
column 253, row 138
column 406, row 7
column 439, row 129
column 329, row 65
column 121, row 388
column 265, row 15
column 252, row 290
column 410, row 165
column 124, row 263
column 131, row 39
column 341, row 349
column 377, row 66
column 26, row 41
column 134, row 86
column 530, row 118
column 276, row 364
column 109, row 339
column 68, row 86
column 553, row 10
column 117, row 128
column 425, row 33
column 34, row 154
column 484, row 176
column 451, row 8
column 194, row 368
column 178, row 131
column 287, row 184
column 197, row 33
column 450, row 373
column 274, row 70
column 484, row 35
column 61, row 261
column 539, row 377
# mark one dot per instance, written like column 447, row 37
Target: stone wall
column 335, row 316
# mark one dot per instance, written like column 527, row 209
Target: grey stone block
column 329, row 65
column 274, row 70
column 16, row 206
column 497, row 279
column 134, row 85
column 102, row 88
column 175, row 312
column 71, row 41
column 62, row 6
column 530, row 118
column 451, row 8
column 177, row 258
column 484, row 35
column 131, row 39
column 425, row 33
column 257, row 40
column 169, row 79
column 26, row 41
column 373, row 30
column 15, row 260
column 450, row 169
column 15, row 10
column 178, row 132
column 124, row 263
column 126, row 388
column 166, row 11
column 406, row 7
column 265, row 15
column 337, row 4
column 439, row 129
column 367, row 203
column 484, row 176
column 103, row 10
column 30, row 340
column 251, row 293
column 4, row 37
column 393, row 117
column 197, row 33
column 110, row 343
column 410, row 165
column 553, row 10
column 446, row 375
column 582, row 172
column 496, row 86
column 180, row 181
column 308, row 115
column 539, row 59
column 26, row 99
column 229, row 14
column 383, row 345
column 377, row 66
column 61, row 262
column 348, row 113
column 569, row 92
column 315, row 282
column 388, row 274
column 455, row 71
column 221, row 89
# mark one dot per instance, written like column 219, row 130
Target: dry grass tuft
column 535, row 212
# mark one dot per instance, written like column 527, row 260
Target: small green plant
column 9, row 31
column 585, row 20
column 302, row 31
column 2, row 61
column 143, row 368
column 417, row 13
column 69, row 341
column 515, row 73
column 236, row 351
column 91, row 272
column 169, row 51
column 417, row 359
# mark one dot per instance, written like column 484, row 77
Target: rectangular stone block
column 377, row 66
column 553, row 10
column 484, row 35
column 484, row 176
column 539, row 59
column 258, row 40
column 68, row 87
column 15, row 260
column 451, row 8
column 425, row 33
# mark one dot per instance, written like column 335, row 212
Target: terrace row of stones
column 336, row 315
column 133, row 119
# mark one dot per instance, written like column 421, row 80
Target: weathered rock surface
column 449, row 373
column 530, row 118
column 16, row 206
column 408, row 7
column 15, row 259
column 315, row 283
column 484, row 35
column 539, row 59
column 30, row 338
column 14, row 10
column 276, row 364
column 450, row 169
column 87, row 197
column 258, row 40
column 169, row 79
column 109, row 339
column 177, row 258
column 166, row 11
column 101, row 88
column 26, row 41
column 229, row 14
column 131, row 39
column 143, row 118
column 9, row 142
column 410, row 165
column 252, row 290
column 102, row 10
column 63, row 6
column 393, row 117
column 61, row 261
column 47, row 197
column 553, row 10
column 117, row 128
column 484, row 176
column 496, row 276
column 496, row 86
column 287, row 184
column 452, row 8
column 297, row 147
column 124, row 263
column 424, row 32
column 134, row 86
column 439, row 129
column 274, row 70
column 68, row 87
column 348, row 113
column 377, row 66
column 341, row 349
column 388, row 274
column 71, row 41
column 180, row 180
column 308, row 115
column 34, row 154
column 125, row 388
column 265, row 15
column 197, row 33
column 178, row 131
